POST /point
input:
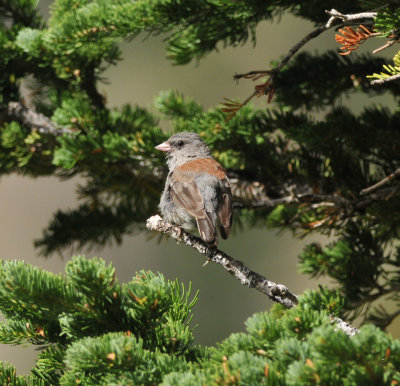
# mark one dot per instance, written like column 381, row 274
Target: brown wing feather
column 187, row 196
column 225, row 215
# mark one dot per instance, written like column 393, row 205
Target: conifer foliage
column 94, row 330
column 306, row 162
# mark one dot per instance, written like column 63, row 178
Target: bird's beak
column 165, row 146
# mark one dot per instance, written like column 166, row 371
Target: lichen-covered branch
column 276, row 292
column 347, row 328
column 336, row 15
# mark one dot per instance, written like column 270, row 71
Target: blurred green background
column 28, row 204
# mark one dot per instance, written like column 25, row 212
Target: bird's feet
column 210, row 252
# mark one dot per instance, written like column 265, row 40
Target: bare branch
column 347, row 328
column 276, row 292
column 384, row 181
column 388, row 44
column 34, row 120
column 335, row 15
column 313, row 34
column 268, row 88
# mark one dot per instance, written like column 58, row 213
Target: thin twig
column 388, row 44
column 255, row 74
column 276, row 292
column 35, row 120
column 382, row 182
column 273, row 73
column 313, row 34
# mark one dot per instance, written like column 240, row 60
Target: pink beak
column 165, row 146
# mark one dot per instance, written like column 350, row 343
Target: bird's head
column 184, row 147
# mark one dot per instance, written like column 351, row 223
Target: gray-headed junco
column 197, row 190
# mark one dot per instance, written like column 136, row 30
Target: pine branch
column 294, row 199
column 268, row 88
column 379, row 82
column 336, row 208
column 35, row 120
column 276, row 292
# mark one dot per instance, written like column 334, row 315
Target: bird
column 197, row 191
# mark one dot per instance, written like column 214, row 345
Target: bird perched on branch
column 197, row 190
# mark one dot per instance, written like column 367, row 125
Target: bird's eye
column 180, row 143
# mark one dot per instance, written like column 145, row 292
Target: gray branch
column 336, row 15
column 273, row 73
column 347, row 328
column 35, row 120
column 379, row 82
column 276, row 292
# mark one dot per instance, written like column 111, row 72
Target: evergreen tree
column 306, row 163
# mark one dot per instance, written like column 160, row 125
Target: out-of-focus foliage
column 97, row 331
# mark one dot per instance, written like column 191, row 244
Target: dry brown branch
column 268, row 87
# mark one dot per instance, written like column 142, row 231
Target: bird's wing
column 188, row 197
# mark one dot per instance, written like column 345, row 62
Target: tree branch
column 379, row 82
column 35, row 120
column 268, row 88
column 328, row 200
column 276, row 292
column 395, row 174
column 337, row 208
column 335, row 15
column 347, row 328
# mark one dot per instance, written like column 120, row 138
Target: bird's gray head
column 184, row 147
